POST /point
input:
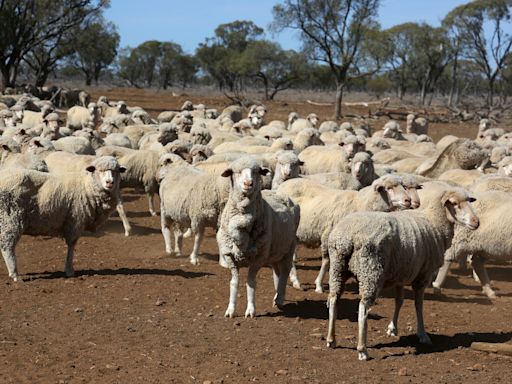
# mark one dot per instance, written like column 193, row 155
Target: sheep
column 416, row 125
column 199, row 153
column 51, row 127
column 321, row 207
column 292, row 118
column 141, row 117
column 490, row 241
column 362, row 174
column 32, row 119
column 166, row 116
column 322, row 159
column 199, row 134
column 180, row 209
column 118, row 139
column 155, row 140
column 463, row 177
column 287, row 167
column 309, row 122
column 330, row 126
column 245, row 126
column 13, row 159
column 65, row 162
column 393, row 249
column 73, row 144
column 78, row 116
column 256, row 229
column 39, row 203
column 306, row 138
column 462, row 153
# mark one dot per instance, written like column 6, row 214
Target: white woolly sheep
column 36, row 203
column 393, row 249
column 256, row 229
column 321, row 207
column 309, row 122
column 180, row 209
column 287, row 167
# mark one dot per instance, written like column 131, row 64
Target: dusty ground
column 135, row 315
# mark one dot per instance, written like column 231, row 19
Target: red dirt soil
column 136, row 315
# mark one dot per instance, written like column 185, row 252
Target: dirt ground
column 136, row 315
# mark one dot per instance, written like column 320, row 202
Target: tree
column 274, row 67
column 30, row 23
column 470, row 22
column 95, row 48
column 186, row 69
column 331, row 32
column 222, row 56
column 168, row 62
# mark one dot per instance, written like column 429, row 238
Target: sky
column 189, row 22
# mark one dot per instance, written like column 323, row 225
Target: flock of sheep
column 391, row 209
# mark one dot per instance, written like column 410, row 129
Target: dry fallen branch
column 501, row 348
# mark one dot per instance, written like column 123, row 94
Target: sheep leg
column 332, row 304
column 275, row 275
column 420, row 326
column 284, row 271
column 362, row 320
column 197, row 243
column 151, row 203
column 399, row 300
column 441, row 277
column 481, row 272
column 122, row 214
column 70, row 272
column 323, row 270
column 178, row 241
column 251, row 291
column 10, row 262
column 166, row 232
column 293, row 273
column 233, row 290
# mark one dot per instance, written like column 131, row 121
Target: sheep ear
column 122, row 169
column 91, row 168
column 37, row 143
column 227, row 173
column 6, row 147
column 301, row 162
column 377, row 187
column 419, row 187
column 22, row 131
column 264, row 171
column 202, row 154
column 471, row 199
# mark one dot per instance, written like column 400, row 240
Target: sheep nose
column 407, row 201
column 247, row 183
column 475, row 223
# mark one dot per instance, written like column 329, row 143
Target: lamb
column 256, row 229
column 309, row 122
column 462, row 153
column 180, row 209
column 393, row 249
column 362, row 174
column 37, row 203
column 321, row 207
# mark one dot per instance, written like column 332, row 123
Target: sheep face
column 256, row 120
column 362, row 167
column 246, row 179
column 166, row 162
column 352, row 147
column 292, row 117
column 484, row 125
column 392, row 191
column 411, row 187
column 167, row 134
column 505, row 166
column 106, row 172
column 458, row 209
column 108, row 127
column 288, row 166
column 313, row 119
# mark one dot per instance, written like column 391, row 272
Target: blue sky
column 189, row 22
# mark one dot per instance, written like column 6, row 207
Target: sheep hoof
column 489, row 292
column 70, row 273
column 392, row 331
column 127, row 233
column 188, row 233
column 153, row 213
column 177, row 254
column 296, row 285
column 194, row 260
column 319, row 289
column 249, row 313
column 331, row 344
column 425, row 339
column 437, row 290
column 363, row 355
column 230, row 312
column 16, row 278
column 168, row 252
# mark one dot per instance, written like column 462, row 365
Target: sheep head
column 106, row 173
column 458, row 208
column 392, row 191
column 245, row 174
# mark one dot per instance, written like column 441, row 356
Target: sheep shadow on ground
column 317, row 309
column 116, row 227
column 443, row 343
column 119, row 271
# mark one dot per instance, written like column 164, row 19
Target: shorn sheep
column 256, row 229
column 393, row 250
column 36, row 203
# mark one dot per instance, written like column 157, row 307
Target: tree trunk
column 88, row 79
column 454, row 87
column 339, row 99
